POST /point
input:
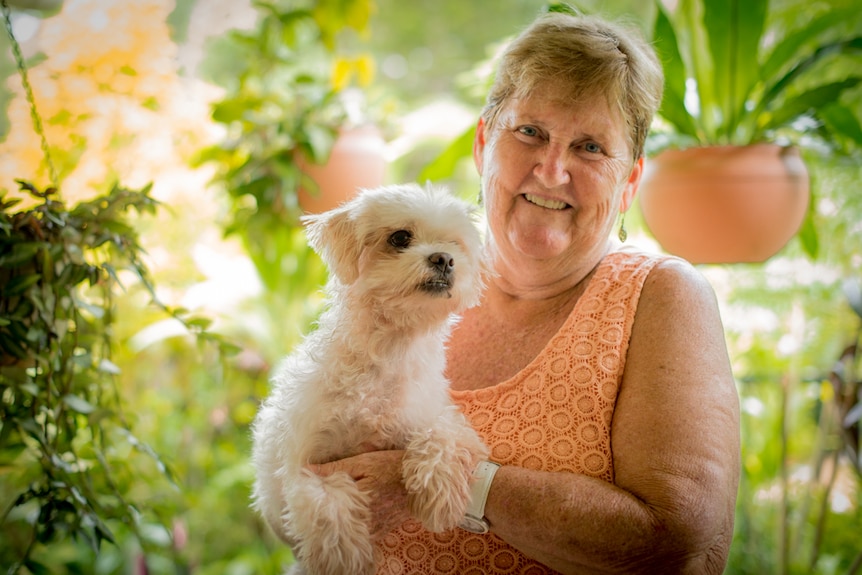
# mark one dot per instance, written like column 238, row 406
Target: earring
column 623, row 234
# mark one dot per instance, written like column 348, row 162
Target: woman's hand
column 377, row 473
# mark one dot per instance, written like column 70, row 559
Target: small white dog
column 403, row 260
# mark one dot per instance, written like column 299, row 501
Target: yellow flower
column 344, row 69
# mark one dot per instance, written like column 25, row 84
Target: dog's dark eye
column 400, row 239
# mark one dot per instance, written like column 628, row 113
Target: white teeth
column 550, row 204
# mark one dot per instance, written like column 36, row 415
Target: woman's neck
column 542, row 281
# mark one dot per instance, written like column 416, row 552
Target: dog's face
column 397, row 247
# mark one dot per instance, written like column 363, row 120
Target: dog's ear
column 333, row 236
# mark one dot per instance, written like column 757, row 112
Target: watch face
column 474, row 525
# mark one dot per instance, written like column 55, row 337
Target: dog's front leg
column 438, row 468
column 329, row 519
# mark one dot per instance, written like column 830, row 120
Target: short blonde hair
column 576, row 57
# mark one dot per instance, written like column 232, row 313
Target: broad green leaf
column 673, row 102
column 12, row 345
column 78, row 404
column 36, row 568
column 318, row 143
column 199, row 322
column 30, row 388
column 692, row 34
column 808, row 232
column 809, row 101
column 563, row 8
column 108, row 366
column 228, row 111
column 841, row 120
column 21, row 253
column 720, row 22
column 734, row 32
column 786, row 51
column 777, row 88
column 19, row 284
column 444, row 165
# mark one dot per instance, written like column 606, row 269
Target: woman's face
column 554, row 177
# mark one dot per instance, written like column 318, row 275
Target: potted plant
column 741, row 97
column 298, row 138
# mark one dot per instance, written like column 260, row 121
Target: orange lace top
column 554, row 415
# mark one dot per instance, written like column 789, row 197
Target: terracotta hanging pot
column 725, row 204
column 356, row 161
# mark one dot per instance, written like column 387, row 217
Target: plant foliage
column 730, row 78
column 66, row 449
column 285, row 98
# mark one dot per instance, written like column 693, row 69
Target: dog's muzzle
column 443, row 268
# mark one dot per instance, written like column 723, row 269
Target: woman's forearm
column 578, row 524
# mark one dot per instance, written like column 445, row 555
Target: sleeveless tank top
column 554, row 415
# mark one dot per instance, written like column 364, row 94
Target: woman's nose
column 551, row 167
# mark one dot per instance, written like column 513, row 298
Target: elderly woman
column 598, row 376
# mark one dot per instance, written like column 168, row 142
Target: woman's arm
column 675, row 441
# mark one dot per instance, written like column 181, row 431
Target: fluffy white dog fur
column 402, row 260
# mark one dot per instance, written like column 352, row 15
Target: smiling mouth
column 543, row 203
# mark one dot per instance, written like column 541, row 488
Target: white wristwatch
column 474, row 520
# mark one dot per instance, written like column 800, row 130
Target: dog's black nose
column 442, row 261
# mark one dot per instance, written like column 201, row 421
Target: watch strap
column 474, row 519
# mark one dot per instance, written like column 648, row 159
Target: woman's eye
column 593, row 148
column 400, row 239
column 529, row 131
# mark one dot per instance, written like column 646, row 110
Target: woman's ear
column 631, row 186
column 479, row 145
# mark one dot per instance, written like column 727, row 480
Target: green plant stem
column 823, row 515
column 15, row 567
column 28, row 91
column 784, row 527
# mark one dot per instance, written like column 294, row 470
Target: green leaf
column 107, row 366
column 199, row 322
column 673, row 103
column 36, row 568
column 30, row 388
column 444, row 165
column 21, row 253
column 786, row 51
column 563, row 8
column 228, row 111
column 19, row 284
column 842, row 120
column 777, row 88
column 810, row 101
column 808, row 232
column 692, row 33
column 78, row 404
column 734, row 41
column 317, row 143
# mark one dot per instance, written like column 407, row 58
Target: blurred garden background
column 176, row 132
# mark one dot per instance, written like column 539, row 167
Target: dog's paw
column 438, row 469
column 329, row 518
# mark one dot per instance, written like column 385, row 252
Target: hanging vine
column 69, row 457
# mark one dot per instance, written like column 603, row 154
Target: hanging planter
column 356, row 161
column 725, row 204
column 742, row 77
